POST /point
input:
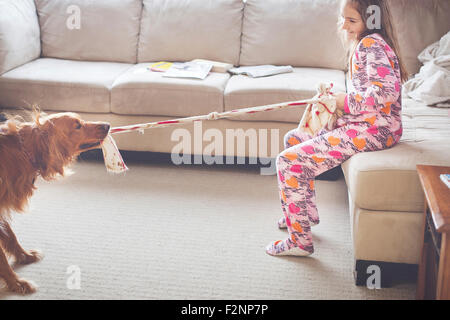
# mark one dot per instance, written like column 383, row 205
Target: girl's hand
column 340, row 99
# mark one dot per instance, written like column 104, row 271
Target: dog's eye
column 78, row 126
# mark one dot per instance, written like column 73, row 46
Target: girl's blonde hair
column 386, row 29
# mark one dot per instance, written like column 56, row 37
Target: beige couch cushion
column 61, row 85
column 179, row 30
column 242, row 91
column 389, row 236
column 418, row 23
column 109, row 29
column 19, row 34
column 297, row 32
column 142, row 92
column 388, row 180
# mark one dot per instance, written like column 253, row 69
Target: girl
column 371, row 122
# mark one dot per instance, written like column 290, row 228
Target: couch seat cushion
column 60, row 85
column 142, row 92
column 388, row 180
column 242, row 91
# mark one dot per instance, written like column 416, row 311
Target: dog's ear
column 50, row 152
column 38, row 145
column 39, row 149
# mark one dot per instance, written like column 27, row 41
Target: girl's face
column 353, row 24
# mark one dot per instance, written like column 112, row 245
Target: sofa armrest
column 19, row 34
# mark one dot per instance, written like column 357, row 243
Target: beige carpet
column 189, row 232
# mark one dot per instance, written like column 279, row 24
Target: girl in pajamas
column 371, row 122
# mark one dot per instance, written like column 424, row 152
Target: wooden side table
column 434, row 269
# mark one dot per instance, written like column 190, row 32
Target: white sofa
column 98, row 70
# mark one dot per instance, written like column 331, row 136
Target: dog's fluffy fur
column 44, row 147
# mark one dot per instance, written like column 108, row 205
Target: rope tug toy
column 321, row 112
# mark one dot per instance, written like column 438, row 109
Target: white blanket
column 432, row 84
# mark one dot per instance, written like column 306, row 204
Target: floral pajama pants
column 305, row 157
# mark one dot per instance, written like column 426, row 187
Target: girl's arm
column 376, row 74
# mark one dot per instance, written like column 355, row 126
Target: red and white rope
column 113, row 159
column 212, row 116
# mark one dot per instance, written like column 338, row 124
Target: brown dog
column 43, row 148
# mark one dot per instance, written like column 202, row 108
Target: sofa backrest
column 92, row 30
column 300, row 33
column 295, row 32
column 19, row 34
column 418, row 24
column 182, row 30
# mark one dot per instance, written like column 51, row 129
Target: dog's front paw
column 22, row 286
column 30, row 256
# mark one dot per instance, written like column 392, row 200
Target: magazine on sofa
column 261, row 71
column 161, row 66
column 221, row 67
column 196, row 70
